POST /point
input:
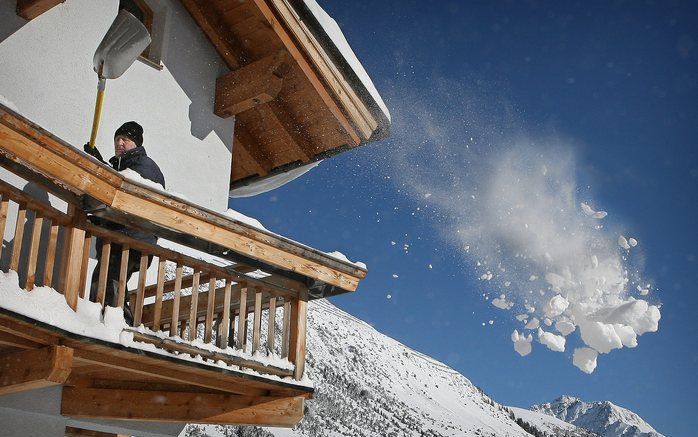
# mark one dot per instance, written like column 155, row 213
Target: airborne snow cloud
column 509, row 201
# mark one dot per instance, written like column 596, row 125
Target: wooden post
column 84, row 263
column 176, row 299
column 158, row 295
column 51, row 255
column 19, row 235
column 299, row 313
column 4, row 205
column 103, row 271
column 242, row 317
column 193, row 307
column 208, row 327
column 225, row 322
column 140, row 291
column 72, row 269
column 33, row 253
column 286, row 329
column 123, row 270
column 257, row 326
column 271, row 325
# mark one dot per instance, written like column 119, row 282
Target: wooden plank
column 225, row 321
column 168, row 286
column 51, row 254
column 193, row 306
column 158, row 294
column 186, row 348
column 36, row 368
column 4, row 206
column 11, row 340
column 211, row 303
column 180, row 407
column 29, row 145
column 30, row 9
column 286, row 330
column 123, row 270
column 143, row 271
column 19, row 235
column 254, row 84
column 78, row 432
column 75, row 238
column 257, row 325
column 271, row 325
column 242, row 317
column 103, row 271
column 163, row 370
column 297, row 339
column 240, row 243
column 84, row 264
column 176, row 300
column 33, row 253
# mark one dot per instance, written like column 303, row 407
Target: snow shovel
column 126, row 38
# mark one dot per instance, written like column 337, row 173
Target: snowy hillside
column 602, row 417
column 368, row 384
column 549, row 425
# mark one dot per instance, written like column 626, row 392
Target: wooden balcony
column 217, row 342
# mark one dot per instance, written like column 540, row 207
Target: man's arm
column 92, row 151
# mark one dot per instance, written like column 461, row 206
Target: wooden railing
column 199, row 300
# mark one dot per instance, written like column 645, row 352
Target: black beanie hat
column 132, row 130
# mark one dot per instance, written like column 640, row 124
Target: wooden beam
column 279, row 26
column 78, row 432
column 165, row 371
column 297, row 340
column 11, row 340
column 30, row 9
column 187, row 348
column 181, row 407
column 254, row 84
column 36, row 368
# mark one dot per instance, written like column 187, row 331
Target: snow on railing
column 194, row 307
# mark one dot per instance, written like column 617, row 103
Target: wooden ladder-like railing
column 201, row 301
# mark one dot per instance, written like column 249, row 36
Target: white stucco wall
column 46, row 75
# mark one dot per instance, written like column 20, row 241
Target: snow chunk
column 585, row 359
column 555, row 306
column 564, row 327
column 533, row 324
column 501, row 302
column 632, row 242
column 600, row 336
column 555, row 343
column 622, row 242
column 522, row 345
column 589, row 211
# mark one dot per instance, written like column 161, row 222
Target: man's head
column 127, row 137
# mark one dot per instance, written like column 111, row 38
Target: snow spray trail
column 511, row 205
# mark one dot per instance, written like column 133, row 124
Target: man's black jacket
column 136, row 160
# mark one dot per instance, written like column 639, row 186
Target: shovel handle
column 98, row 110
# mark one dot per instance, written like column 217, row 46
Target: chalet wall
column 46, row 75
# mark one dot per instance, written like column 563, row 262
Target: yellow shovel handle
column 98, row 111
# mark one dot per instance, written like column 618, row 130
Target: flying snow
column 513, row 208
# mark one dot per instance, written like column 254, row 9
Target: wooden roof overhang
column 104, row 380
column 295, row 98
column 24, row 146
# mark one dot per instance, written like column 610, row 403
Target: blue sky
column 616, row 85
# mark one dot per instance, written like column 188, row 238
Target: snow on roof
column 331, row 28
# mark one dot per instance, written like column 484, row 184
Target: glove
column 92, row 151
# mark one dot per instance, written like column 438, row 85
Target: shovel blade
column 126, row 38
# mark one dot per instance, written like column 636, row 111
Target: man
column 128, row 153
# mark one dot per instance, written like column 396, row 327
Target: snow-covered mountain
column 602, row 417
column 368, row 384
